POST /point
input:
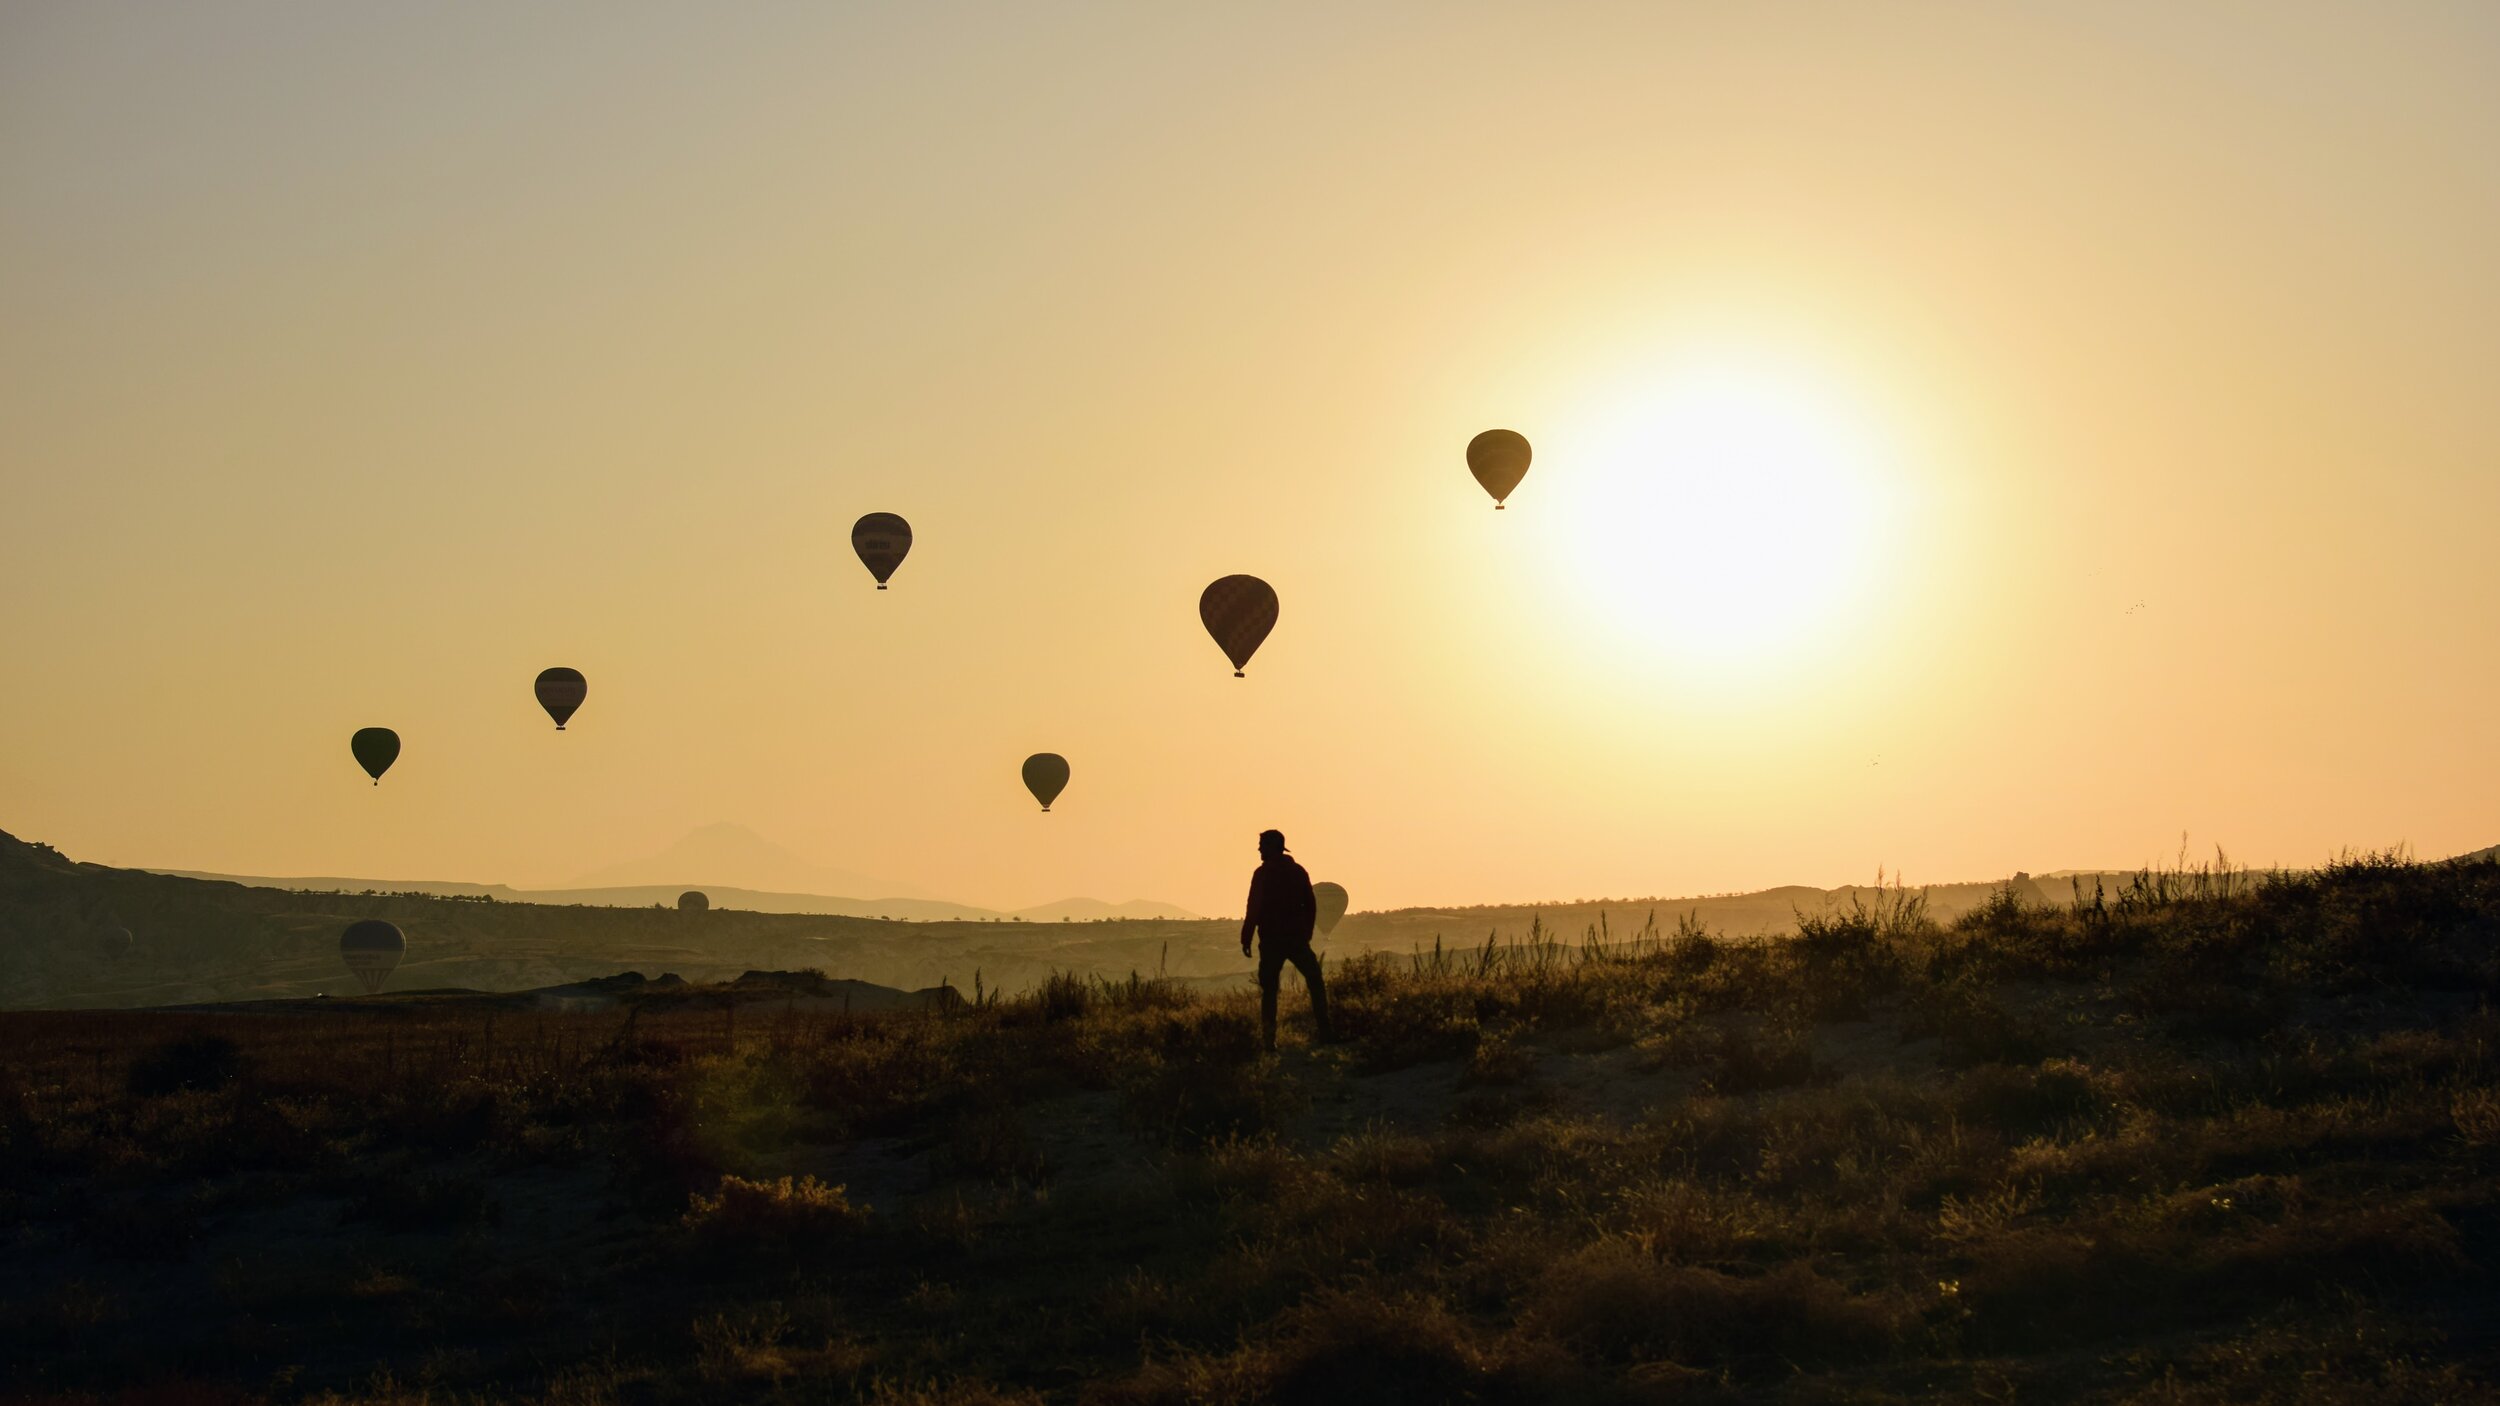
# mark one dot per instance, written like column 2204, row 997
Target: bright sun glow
column 1721, row 515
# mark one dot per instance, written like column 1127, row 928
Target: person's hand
column 1245, row 947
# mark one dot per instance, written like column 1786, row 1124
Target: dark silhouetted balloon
column 1329, row 901
column 1238, row 611
column 882, row 541
column 372, row 949
column 693, row 901
column 375, row 748
column 113, row 942
column 1046, row 775
column 560, row 692
column 1498, row 459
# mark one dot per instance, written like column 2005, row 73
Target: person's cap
column 1272, row 839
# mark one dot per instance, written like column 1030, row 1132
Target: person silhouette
column 1280, row 914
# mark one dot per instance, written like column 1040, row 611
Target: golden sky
column 1969, row 437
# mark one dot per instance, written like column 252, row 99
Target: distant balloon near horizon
column 882, row 541
column 113, row 943
column 1046, row 775
column 694, row 901
column 1499, row 459
column 1238, row 611
column 375, row 749
column 1328, row 903
column 372, row 949
column 561, row 691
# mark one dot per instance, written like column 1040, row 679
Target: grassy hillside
column 201, row 940
column 2206, row 1139
column 198, row 940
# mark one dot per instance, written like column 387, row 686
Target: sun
column 1721, row 514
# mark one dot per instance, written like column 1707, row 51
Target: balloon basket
column 880, row 585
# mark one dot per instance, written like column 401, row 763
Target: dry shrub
column 955, row 1391
column 2342, row 1353
column 1747, row 1061
column 1972, row 1025
column 1497, row 1059
column 1363, row 1349
column 993, row 1141
column 2476, row 1113
column 784, row 1216
column 1685, row 1222
column 1386, row 1157
column 2023, row 1101
column 1613, row 1302
column 1253, row 1169
column 1207, row 1084
column 2057, row 1286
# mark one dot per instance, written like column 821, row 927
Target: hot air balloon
column 560, row 691
column 694, row 901
column 372, row 949
column 1329, row 901
column 1046, row 775
column 113, row 942
column 882, row 541
column 1238, row 611
column 375, row 748
column 1498, row 459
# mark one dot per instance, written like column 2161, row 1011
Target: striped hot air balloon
column 561, row 691
column 372, row 949
column 1238, row 611
column 882, row 541
column 1498, row 459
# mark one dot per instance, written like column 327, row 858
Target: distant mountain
column 736, row 857
column 1087, row 910
column 907, row 910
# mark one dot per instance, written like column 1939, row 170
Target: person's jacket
column 1281, row 908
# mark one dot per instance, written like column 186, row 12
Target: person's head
column 1271, row 843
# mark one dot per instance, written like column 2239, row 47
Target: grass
column 2206, row 1136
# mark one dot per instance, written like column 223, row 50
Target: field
column 2203, row 1136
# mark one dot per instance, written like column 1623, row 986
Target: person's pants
column 1272, row 959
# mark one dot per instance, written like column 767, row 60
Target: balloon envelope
column 561, row 691
column 1329, row 900
column 1238, row 611
column 372, row 949
column 693, row 901
column 1046, row 775
column 882, row 541
column 113, row 942
column 375, row 748
column 1498, row 459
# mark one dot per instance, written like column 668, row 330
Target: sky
column 1969, row 438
